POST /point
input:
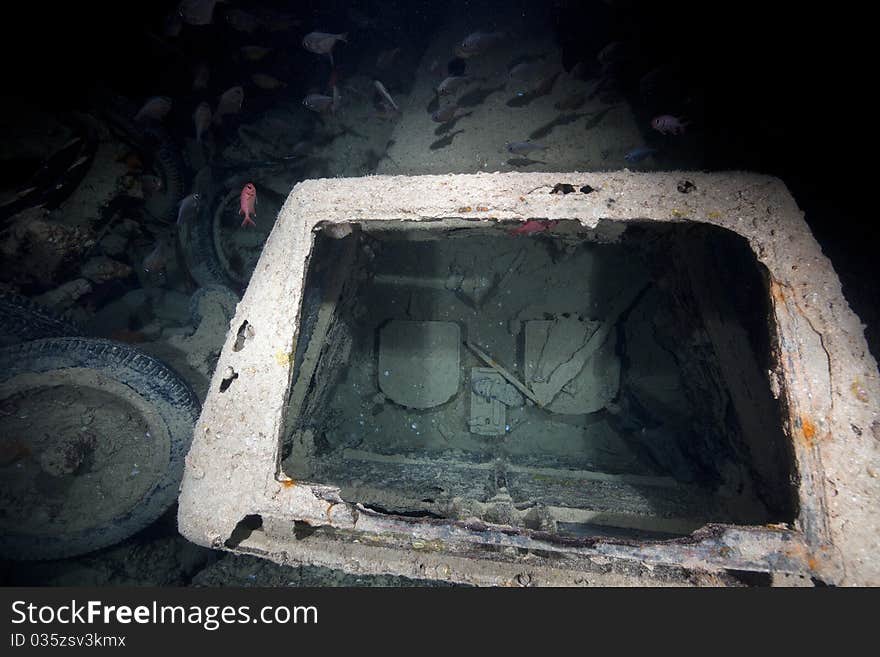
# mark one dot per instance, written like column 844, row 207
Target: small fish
column 533, row 226
column 447, row 114
column 524, row 147
column 188, row 208
column 241, row 21
column 201, row 76
column 384, row 93
column 318, row 102
column 321, row 43
column 197, row 12
column 639, row 154
column 443, row 142
column 452, row 84
column 267, row 82
column 668, row 125
column 528, row 71
column 254, row 53
column 155, row 109
column 202, row 119
column 230, row 103
column 25, row 192
column 386, row 58
column 248, row 204
column 477, row 43
column 156, row 260
column 79, row 162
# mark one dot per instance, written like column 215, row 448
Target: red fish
column 533, row 226
column 248, row 204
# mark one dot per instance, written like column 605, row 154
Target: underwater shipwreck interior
column 384, row 293
column 612, row 416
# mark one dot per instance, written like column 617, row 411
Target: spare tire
column 93, row 436
column 22, row 319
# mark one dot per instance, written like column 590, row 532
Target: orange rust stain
column 776, row 292
column 465, row 209
column 482, row 208
column 812, row 563
column 288, row 483
column 808, row 429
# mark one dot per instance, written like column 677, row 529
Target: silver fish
column 230, row 103
column 188, row 208
column 155, row 109
column 452, row 84
column 528, row 71
column 319, row 102
column 524, row 147
column 384, row 93
column 321, row 43
column 640, row 153
column 477, row 43
column 446, row 114
column 202, row 119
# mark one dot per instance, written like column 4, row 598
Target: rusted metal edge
column 715, row 547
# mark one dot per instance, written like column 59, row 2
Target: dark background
column 786, row 88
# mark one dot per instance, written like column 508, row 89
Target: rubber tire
column 221, row 294
column 22, row 320
column 168, row 163
column 60, row 174
column 156, row 145
column 157, row 385
column 198, row 242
